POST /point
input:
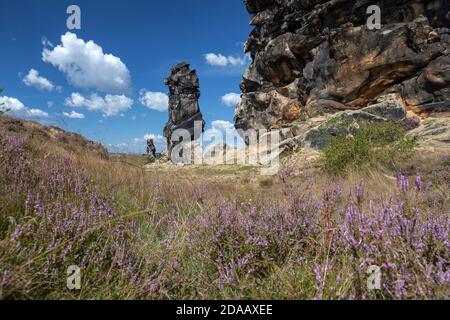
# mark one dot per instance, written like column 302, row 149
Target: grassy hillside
column 207, row 232
column 50, row 138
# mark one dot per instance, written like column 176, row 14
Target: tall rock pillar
column 184, row 109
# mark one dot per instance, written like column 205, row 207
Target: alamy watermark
column 73, row 281
column 374, row 278
column 374, row 21
column 262, row 148
column 74, row 20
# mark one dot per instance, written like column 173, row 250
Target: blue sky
column 105, row 81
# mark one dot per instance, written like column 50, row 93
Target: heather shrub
column 241, row 247
column 405, row 234
column 370, row 145
column 53, row 216
column 322, row 245
column 139, row 235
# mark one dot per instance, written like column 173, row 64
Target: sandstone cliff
column 313, row 59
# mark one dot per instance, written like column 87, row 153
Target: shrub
column 370, row 145
column 142, row 236
column 52, row 216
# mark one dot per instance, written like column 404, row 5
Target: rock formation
column 151, row 150
column 184, row 110
column 316, row 58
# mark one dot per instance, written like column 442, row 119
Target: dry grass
column 180, row 212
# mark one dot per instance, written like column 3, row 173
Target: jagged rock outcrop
column 184, row 110
column 316, row 58
column 151, row 150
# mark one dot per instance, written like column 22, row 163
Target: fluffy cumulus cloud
column 73, row 115
column 17, row 108
column 222, row 131
column 231, row 99
column 221, row 60
column 33, row 79
column 222, row 125
column 12, row 104
column 154, row 100
column 110, row 105
column 157, row 138
column 85, row 65
column 38, row 113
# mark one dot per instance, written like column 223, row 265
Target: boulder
column 391, row 107
column 344, row 123
column 434, row 133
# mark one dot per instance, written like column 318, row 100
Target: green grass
column 208, row 171
column 371, row 145
column 188, row 229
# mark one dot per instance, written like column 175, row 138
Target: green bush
column 380, row 144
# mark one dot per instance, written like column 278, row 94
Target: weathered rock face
column 434, row 132
column 151, row 150
column 315, row 57
column 184, row 108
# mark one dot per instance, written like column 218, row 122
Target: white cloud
column 154, row 100
column 222, row 61
column 37, row 113
column 222, row 131
column 50, row 104
column 216, row 60
column 33, row 79
column 138, row 145
column 17, row 108
column 86, row 66
column 231, row 99
column 46, row 43
column 222, row 125
column 12, row 104
column 156, row 138
column 73, row 115
column 110, row 105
